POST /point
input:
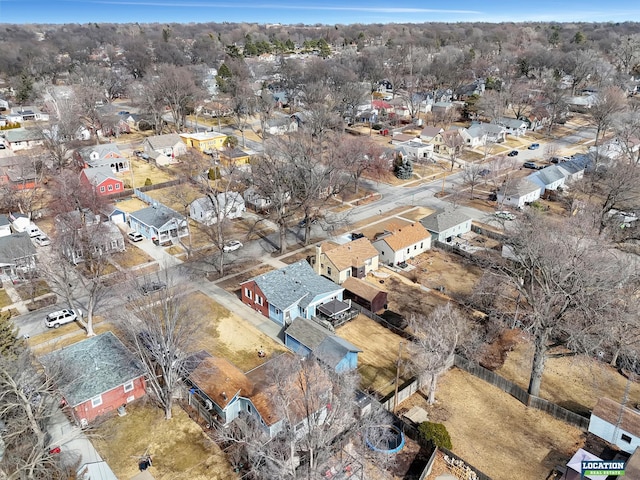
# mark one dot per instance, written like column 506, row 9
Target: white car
column 55, row 319
column 135, row 236
column 232, row 246
column 42, row 240
column 505, row 215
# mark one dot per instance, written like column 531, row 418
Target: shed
column 365, row 294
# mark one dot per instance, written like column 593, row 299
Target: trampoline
column 385, row 439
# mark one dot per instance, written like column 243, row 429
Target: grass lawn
column 407, row 298
column 143, row 170
column 179, row 448
column 417, row 213
column 574, row 382
column 4, row 299
column 56, row 338
column 177, row 196
column 131, row 257
column 233, row 284
column 495, row 432
column 377, row 361
column 131, row 204
column 226, row 335
column 29, row 290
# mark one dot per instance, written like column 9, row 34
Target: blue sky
column 315, row 11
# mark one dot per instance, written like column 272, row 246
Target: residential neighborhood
column 379, row 251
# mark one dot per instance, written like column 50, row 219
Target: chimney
column 224, row 396
column 316, row 264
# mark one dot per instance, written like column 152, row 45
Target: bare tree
column 473, row 175
column 161, row 330
column 609, row 102
column 360, row 156
column 436, row 338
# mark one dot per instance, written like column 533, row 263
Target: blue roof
column 295, row 283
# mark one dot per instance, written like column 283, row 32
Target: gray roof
column 4, row 220
column 333, row 349
column 294, row 283
column 548, row 175
column 92, row 367
column 102, row 150
column 22, row 135
column 205, row 203
column 442, row 220
column 97, row 175
column 523, row 187
column 156, row 216
column 15, row 246
column 159, row 142
column 576, row 165
column 511, row 122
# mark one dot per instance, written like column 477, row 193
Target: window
column 102, row 189
column 328, row 270
column 117, row 186
column 420, row 245
column 278, row 312
column 415, row 247
column 128, row 386
column 408, row 250
column 259, row 299
column 110, row 188
column 247, row 293
column 626, row 438
column 96, row 401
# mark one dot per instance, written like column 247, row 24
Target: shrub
column 437, row 433
column 377, row 126
column 148, row 182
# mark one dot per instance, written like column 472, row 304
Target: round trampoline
column 385, row 439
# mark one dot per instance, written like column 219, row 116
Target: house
column 442, row 107
column 107, row 154
column 448, row 142
column 5, row 226
column 226, row 392
column 520, row 193
column 4, row 105
column 281, row 126
column 364, row 294
column 402, row 244
column 574, row 169
column 159, row 223
column 256, row 200
column 428, row 133
column 23, row 138
column 19, row 172
column 17, row 255
column 352, row 259
column 513, row 126
column 616, row 424
column 28, row 114
column 581, row 103
column 170, row 145
column 549, row 178
column 83, row 235
column 402, row 138
column 538, row 118
column 209, row 210
column 160, row 158
column 474, row 136
column 415, row 149
column 102, row 180
column 96, row 376
column 290, row 292
column 445, row 224
column 306, row 337
column 204, row 142
column 235, row 156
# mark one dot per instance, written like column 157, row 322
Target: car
column 530, row 165
column 534, row 146
column 505, row 215
column 303, row 222
column 231, row 246
column 357, row 235
column 512, row 153
column 60, row 317
column 135, row 236
column 2, row 146
column 484, row 172
column 554, row 160
column 151, row 287
column 42, row 240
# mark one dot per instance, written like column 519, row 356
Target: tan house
column 204, row 142
column 406, row 242
column 339, row 262
column 449, row 142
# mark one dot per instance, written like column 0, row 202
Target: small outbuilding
column 364, row 294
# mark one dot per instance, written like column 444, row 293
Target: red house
column 96, row 376
column 102, row 180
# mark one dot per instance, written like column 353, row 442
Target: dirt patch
column 574, row 382
column 131, row 204
column 417, row 213
column 179, row 448
column 495, row 354
column 496, row 433
column 299, row 255
column 377, row 361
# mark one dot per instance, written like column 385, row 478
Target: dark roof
column 156, row 216
column 294, row 283
column 15, row 246
column 4, row 220
column 628, row 419
column 361, row 288
column 333, row 307
column 92, row 367
column 442, row 220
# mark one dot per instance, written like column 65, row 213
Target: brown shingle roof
column 610, row 411
column 361, row 288
column 350, row 254
column 406, row 236
column 215, row 376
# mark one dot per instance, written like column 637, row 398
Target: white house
column 519, row 194
column 415, row 148
column 513, row 126
column 402, row 244
column 616, row 424
column 170, row 145
column 281, row 126
column 474, row 136
column 209, row 210
column 550, row 178
column 446, row 224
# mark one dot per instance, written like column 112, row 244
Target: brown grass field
column 57, row 338
column 574, row 382
column 495, row 432
column 131, row 257
column 406, row 297
column 179, row 448
column 232, row 284
column 377, row 361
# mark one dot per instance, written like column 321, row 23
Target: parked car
column 232, row 246
column 135, row 236
column 554, row 160
column 530, row 165
column 484, row 172
column 505, row 215
column 2, row 146
column 357, row 235
column 151, row 287
column 303, row 222
column 42, row 240
column 60, row 317
column 534, row 146
column 512, row 153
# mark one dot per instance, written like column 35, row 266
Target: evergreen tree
column 10, row 344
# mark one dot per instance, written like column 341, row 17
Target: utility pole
column 395, row 397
